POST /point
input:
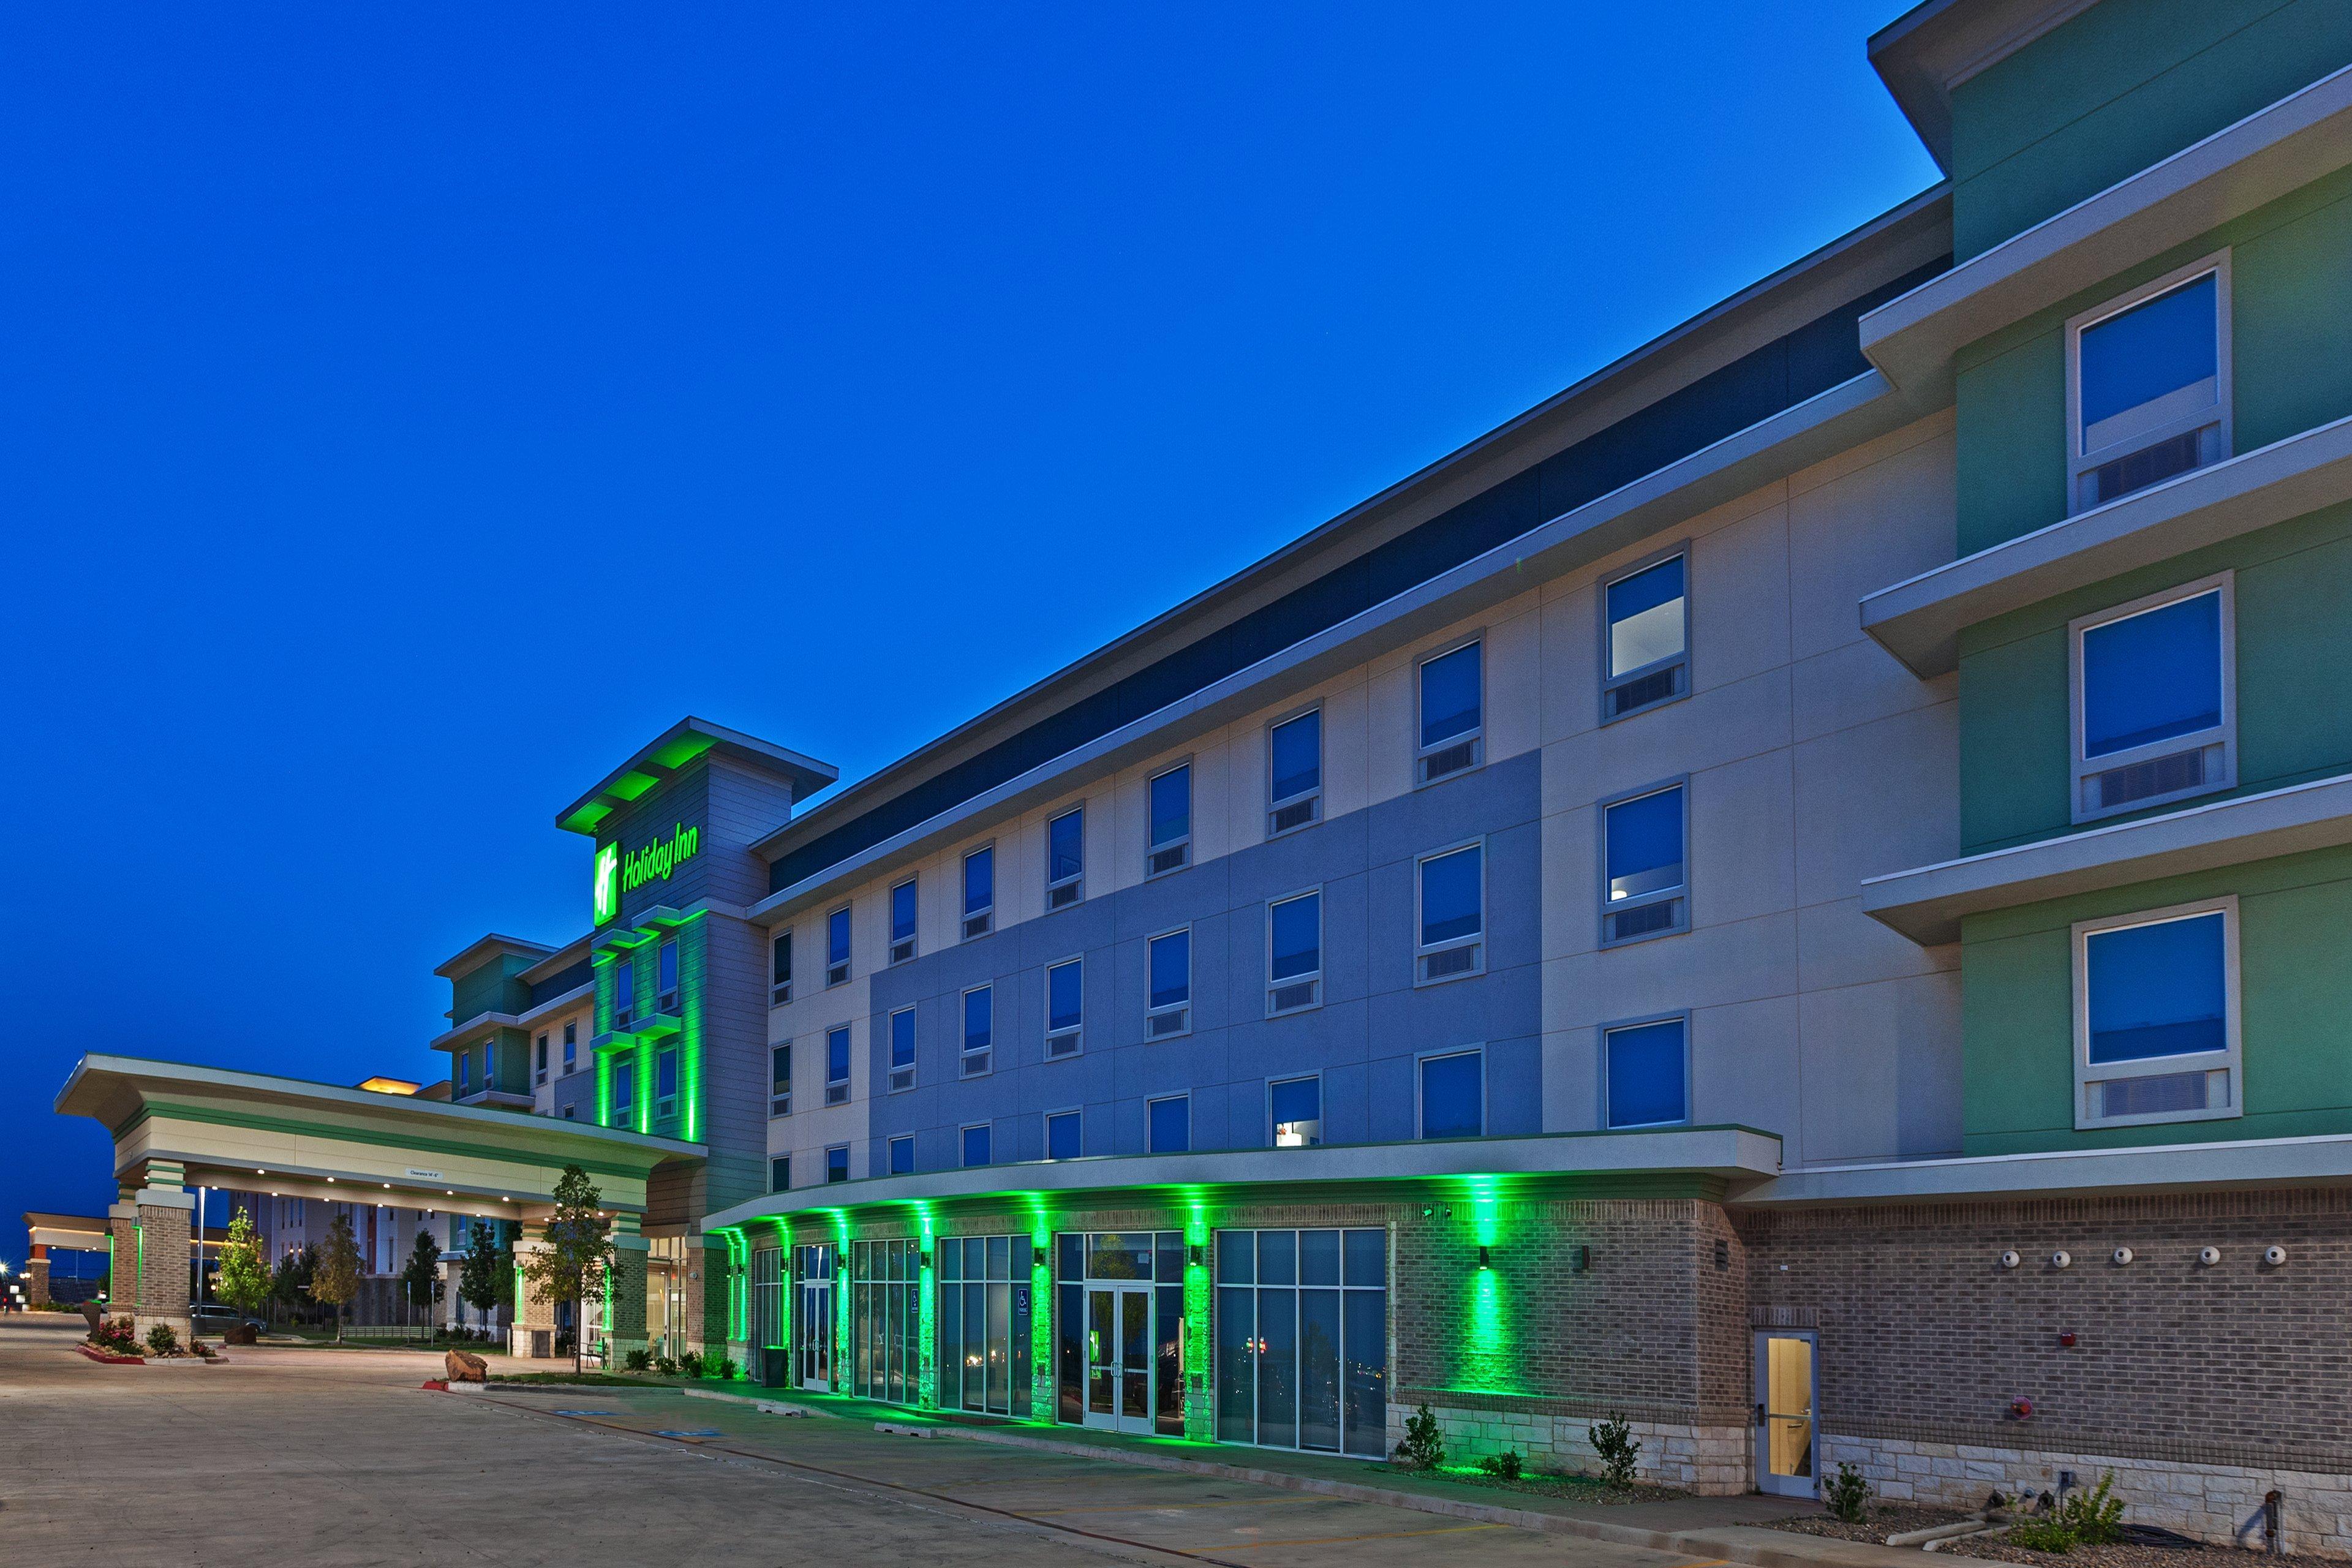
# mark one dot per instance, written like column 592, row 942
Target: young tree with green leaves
column 336, row 1278
column 292, row 1281
column 242, row 1278
column 573, row 1264
column 487, row 1276
column 420, row 1281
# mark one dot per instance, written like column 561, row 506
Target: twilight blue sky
column 405, row 412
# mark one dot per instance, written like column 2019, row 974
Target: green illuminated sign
column 656, row 860
column 608, row 882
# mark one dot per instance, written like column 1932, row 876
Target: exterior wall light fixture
column 1485, row 1258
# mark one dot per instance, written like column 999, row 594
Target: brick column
column 534, row 1314
column 37, row 1278
column 707, row 1270
column 625, row 1323
column 152, row 1248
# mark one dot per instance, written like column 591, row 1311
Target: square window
column 1169, row 1125
column 1645, row 638
column 902, row 922
column 780, row 1173
column 1453, row 1094
column 1450, row 897
column 979, row 1029
column 1062, row 1134
column 837, row 946
column 2147, row 382
column 1450, row 703
column 1294, row 752
column 1296, row 1107
column 2155, row 697
column 1169, row 847
column 1065, row 858
column 1170, row 965
column 1294, row 954
column 1648, row 1068
column 1064, row 1006
column 902, row 1155
column 1644, row 890
column 780, row 1079
column 2157, row 1016
column 975, row 1144
column 836, row 1163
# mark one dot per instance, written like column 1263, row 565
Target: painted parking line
column 687, row 1431
column 587, row 1413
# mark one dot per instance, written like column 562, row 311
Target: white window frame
column 1611, row 683
column 1078, row 880
column 1181, row 1011
column 780, row 991
column 2232, row 1061
column 965, row 1164
column 843, row 1150
column 1311, row 799
column 778, row 1104
column 972, row 923
column 1316, row 1079
column 1182, row 843
column 1486, row 1086
column 849, row 1064
column 1474, row 737
column 1077, row 1111
column 1313, row 979
column 837, row 974
column 1688, row 1116
column 2080, row 465
column 890, row 1154
column 1184, row 1095
column 1421, row 953
column 901, row 1080
column 964, row 1053
column 1680, row 891
column 1077, row 1036
column 2222, row 771
column 902, row 949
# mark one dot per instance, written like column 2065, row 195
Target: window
column 1646, row 1065
column 780, row 1079
column 1644, row 638
column 980, row 892
column 2154, row 698
column 837, row 946
column 466, row 1071
column 570, row 1045
column 540, row 1071
column 1065, row 858
column 667, row 966
column 780, row 980
column 1294, row 954
column 1453, row 713
column 1453, row 1094
column 567, row 1113
column 1168, row 1124
column 2155, row 1017
column 1169, row 962
column 902, row 1049
column 979, row 1029
column 902, row 922
column 624, row 992
column 1644, row 889
column 1063, row 1130
column 902, row 1155
column 1294, row 763
column 1450, row 895
column 780, row 1173
column 1295, row 1106
column 2148, row 384
column 624, row 1092
column 836, row 1163
column 1301, row 1353
column 975, row 1144
column 1064, row 1004
column 1170, row 803
column 666, row 1082
column 836, row 1065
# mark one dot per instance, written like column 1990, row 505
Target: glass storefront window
column 984, row 1317
column 886, row 1356
column 1119, row 1330
column 1302, row 1338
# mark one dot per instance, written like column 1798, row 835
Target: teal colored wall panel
column 492, row 987
column 2125, row 85
column 2017, row 1007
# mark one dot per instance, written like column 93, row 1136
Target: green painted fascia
column 2295, row 1010
column 2293, row 583
column 2117, row 89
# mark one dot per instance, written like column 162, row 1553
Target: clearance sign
column 617, row 873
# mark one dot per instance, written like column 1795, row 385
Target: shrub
column 1505, row 1466
column 1614, row 1441
column 161, row 1340
column 639, row 1359
column 116, row 1336
column 2092, row 1516
column 721, row 1367
column 1424, row 1447
column 1847, row 1494
column 2046, row 1534
column 666, row 1366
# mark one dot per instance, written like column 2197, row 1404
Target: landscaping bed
column 1548, row 1483
column 2117, row 1555
column 1884, row 1519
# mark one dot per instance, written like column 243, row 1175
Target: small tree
column 291, row 1282
column 579, row 1251
column 242, row 1279
column 335, row 1279
column 420, row 1278
column 479, row 1284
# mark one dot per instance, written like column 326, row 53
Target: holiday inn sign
column 617, row 873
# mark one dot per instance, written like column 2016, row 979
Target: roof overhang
column 1931, row 48
column 675, row 748
column 81, row 1232
column 2233, row 1164
column 259, row 1132
column 482, row 950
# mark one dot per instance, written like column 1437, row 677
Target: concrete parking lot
column 327, row 1457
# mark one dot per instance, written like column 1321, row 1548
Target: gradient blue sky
column 405, row 412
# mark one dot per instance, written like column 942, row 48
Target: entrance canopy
column 176, row 1126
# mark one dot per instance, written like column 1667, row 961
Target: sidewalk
column 1707, row 1529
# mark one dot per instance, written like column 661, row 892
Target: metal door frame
column 1766, row 1482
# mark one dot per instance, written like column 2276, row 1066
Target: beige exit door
column 1787, row 1383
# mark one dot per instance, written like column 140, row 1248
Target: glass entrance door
column 1118, row 1357
column 1786, row 1383
column 813, row 1317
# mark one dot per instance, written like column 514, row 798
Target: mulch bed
column 1884, row 1520
column 2119, row 1554
column 1546, row 1483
